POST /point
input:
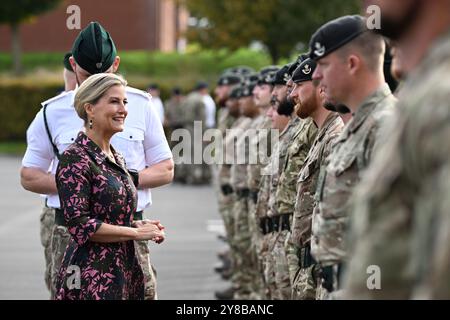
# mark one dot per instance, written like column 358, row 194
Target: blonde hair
column 93, row 89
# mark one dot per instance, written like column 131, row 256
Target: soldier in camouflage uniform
column 350, row 69
column 245, row 271
column 309, row 99
column 194, row 117
column 401, row 220
column 285, row 120
column 260, row 144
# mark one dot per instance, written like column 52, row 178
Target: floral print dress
column 95, row 190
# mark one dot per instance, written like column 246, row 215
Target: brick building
column 133, row 24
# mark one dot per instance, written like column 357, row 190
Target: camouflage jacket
column 242, row 155
column 401, row 219
column 260, row 142
column 296, row 154
column 278, row 158
column 351, row 154
column 309, row 174
column 229, row 148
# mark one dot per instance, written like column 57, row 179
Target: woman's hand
column 149, row 230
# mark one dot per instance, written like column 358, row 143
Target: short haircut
column 93, row 89
column 370, row 46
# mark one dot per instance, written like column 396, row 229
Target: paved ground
column 184, row 261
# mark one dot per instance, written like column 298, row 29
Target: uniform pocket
column 130, row 143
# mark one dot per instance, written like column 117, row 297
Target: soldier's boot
column 226, row 294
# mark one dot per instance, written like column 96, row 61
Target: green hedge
column 19, row 104
column 21, row 100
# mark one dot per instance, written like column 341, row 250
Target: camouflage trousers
column 47, row 220
column 60, row 240
column 304, row 286
column 303, row 280
column 280, row 266
column 268, row 270
column 256, row 249
column 245, row 271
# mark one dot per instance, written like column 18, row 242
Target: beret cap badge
column 98, row 65
column 320, row 49
column 306, row 69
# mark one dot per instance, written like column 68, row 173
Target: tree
column 281, row 25
column 14, row 13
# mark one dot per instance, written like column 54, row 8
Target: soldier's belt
column 243, row 193
column 331, row 276
column 254, row 196
column 266, row 225
column 305, row 258
column 60, row 221
column 281, row 222
column 226, row 189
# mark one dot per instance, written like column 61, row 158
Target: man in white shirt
column 210, row 105
column 153, row 89
column 56, row 125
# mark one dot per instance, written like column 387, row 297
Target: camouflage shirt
column 242, row 154
column 278, row 158
column 229, row 148
column 349, row 157
column 401, row 220
column 296, row 154
column 307, row 179
column 262, row 143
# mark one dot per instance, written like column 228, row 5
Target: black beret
column 247, row 89
column 335, row 34
column 304, row 71
column 235, row 92
column 240, row 70
column 229, row 79
column 176, row 91
column 282, row 76
column 201, row 85
column 267, row 74
column 66, row 61
column 94, row 49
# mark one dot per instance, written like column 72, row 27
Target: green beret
column 66, row 61
column 304, row 71
column 335, row 34
column 94, row 49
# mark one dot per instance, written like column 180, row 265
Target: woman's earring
column 90, row 124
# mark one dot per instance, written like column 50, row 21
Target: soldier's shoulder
column 137, row 93
column 63, row 97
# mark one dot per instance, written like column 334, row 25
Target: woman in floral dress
column 98, row 197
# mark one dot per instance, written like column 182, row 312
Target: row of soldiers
column 182, row 112
column 348, row 196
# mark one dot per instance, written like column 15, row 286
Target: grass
column 12, row 148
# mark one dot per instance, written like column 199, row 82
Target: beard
column 306, row 107
column 342, row 108
column 395, row 28
column 285, row 106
